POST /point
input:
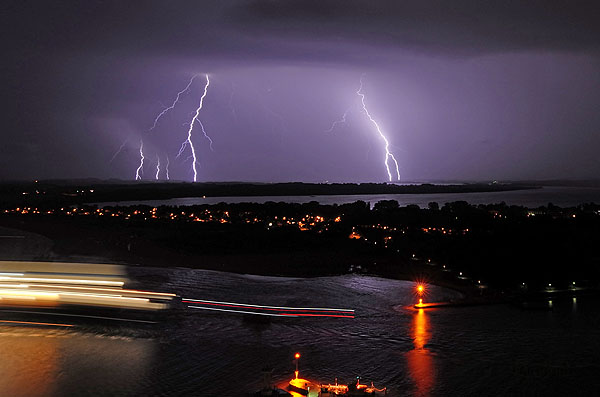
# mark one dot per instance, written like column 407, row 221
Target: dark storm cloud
column 251, row 28
column 469, row 26
column 465, row 88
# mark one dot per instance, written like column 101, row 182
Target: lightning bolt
column 119, row 151
column 157, row 166
column 388, row 154
column 140, row 170
column 188, row 141
column 210, row 144
column 340, row 121
column 165, row 110
column 167, row 168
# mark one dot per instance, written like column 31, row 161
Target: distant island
column 52, row 193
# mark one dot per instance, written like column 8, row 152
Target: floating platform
column 474, row 302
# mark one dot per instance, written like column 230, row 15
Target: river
column 531, row 198
column 483, row 350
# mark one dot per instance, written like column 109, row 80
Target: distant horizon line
column 592, row 182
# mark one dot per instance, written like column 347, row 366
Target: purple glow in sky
column 463, row 90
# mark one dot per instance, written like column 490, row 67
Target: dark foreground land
column 503, row 247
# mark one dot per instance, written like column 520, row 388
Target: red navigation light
column 297, row 355
column 420, row 289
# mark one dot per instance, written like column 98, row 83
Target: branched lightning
column 182, row 148
column 140, row 170
column 210, row 141
column 165, row 110
column 119, row 151
column 388, row 154
column 188, row 141
column 340, row 121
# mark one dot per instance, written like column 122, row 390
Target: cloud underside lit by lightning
column 388, row 155
column 188, row 141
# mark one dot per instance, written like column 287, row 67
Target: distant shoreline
column 53, row 193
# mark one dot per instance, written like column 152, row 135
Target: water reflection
column 419, row 360
column 44, row 362
column 28, row 366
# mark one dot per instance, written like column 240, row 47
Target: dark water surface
column 485, row 350
column 532, row 198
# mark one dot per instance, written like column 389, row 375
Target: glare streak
column 64, row 280
column 270, row 307
column 34, row 323
column 125, row 291
column 80, row 315
column 291, row 309
column 239, row 311
column 388, row 154
column 280, row 314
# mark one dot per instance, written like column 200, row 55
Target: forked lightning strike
column 140, row 170
column 157, row 166
column 210, row 141
column 188, row 141
column 388, row 154
column 165, row 110
column 167, row 168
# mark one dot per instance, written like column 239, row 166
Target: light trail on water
column 279, row 310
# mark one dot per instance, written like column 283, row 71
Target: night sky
column 463, row 90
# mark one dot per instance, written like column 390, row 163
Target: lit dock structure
column 299, row 387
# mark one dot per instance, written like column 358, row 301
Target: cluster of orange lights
column 300, row 386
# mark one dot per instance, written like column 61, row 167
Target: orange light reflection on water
column 420, row 361
column 20, row 375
